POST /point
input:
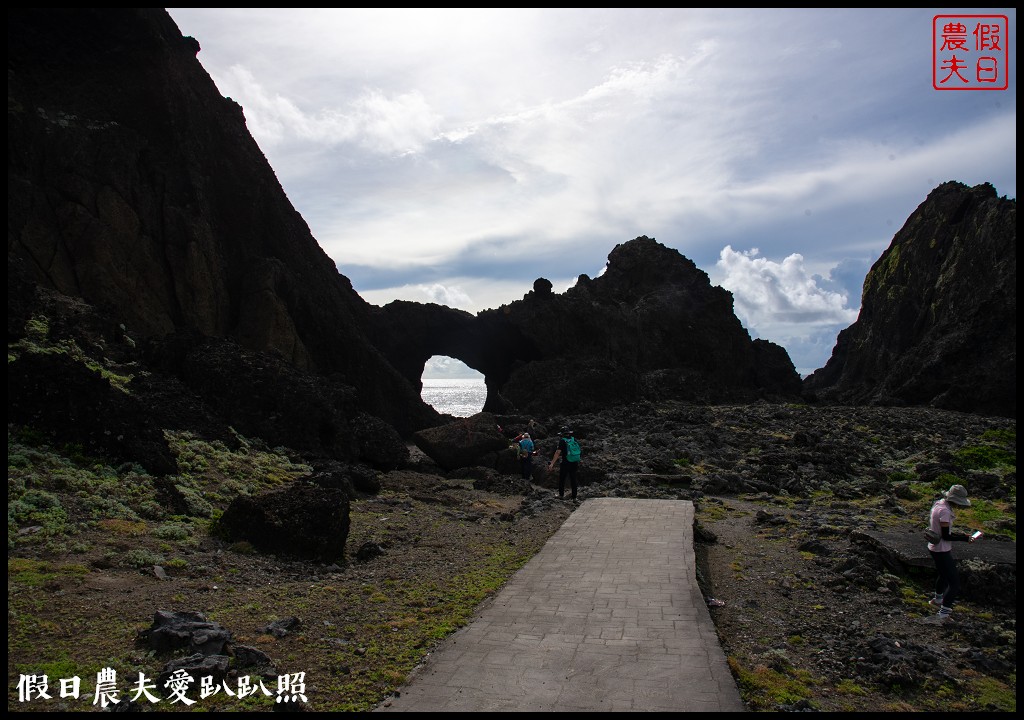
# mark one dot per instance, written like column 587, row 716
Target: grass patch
column 995, row 518
column 141, row 557
column 243, row 547
column 1003, row 436
column 37, row 341
column 211, row 474
column 124, row 528
column 708, row 512
column 412, row 618
column 992, row 694
column 55, row 493
column 61, row 492
column 984, row 457
column 849, row 687
column 764, row 688
column 25, row 571
column 982, row 511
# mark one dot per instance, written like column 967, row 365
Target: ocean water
column 460, row 397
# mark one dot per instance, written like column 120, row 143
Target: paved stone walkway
column 606, row 617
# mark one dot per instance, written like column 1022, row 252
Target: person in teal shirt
column 526, row 452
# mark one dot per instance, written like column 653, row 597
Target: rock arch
column 409, row 334
column 651, row 327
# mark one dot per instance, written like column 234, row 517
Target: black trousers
column 567, row 469
column 526, row 465
column 947, row 584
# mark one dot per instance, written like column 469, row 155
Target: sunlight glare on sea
column 460, row 397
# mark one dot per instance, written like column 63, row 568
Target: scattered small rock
column 280, row 628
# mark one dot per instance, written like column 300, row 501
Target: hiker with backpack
column 569, row 451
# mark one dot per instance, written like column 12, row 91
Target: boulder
column 462, row 443
column 172, row 631
column 302, row 520
column 352, row 478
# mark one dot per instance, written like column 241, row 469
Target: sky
column 456, row 155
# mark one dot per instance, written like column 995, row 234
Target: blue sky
column 454, row 156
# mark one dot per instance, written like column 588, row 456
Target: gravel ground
column 831, row 628
column 809, row 619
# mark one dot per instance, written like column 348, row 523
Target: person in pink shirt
column 947, row 584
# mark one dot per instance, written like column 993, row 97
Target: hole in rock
column 452, row 387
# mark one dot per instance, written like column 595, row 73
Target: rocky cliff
column 651, row 327
column 134, row 185
column 938, row 319
column 135, row 188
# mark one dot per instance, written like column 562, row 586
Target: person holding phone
column 947, row 584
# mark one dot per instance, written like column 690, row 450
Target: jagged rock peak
column 650, row 327
column 937, row 325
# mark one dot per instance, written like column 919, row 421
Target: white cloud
column 391, row 125
column 440, row 138
column 442, row 366
column 543, row 174
column 442, row 295
column 684, row 130
column 779, row 295
column 785, row 303
column 857, row 168
column 452, row 296
column 469, row 294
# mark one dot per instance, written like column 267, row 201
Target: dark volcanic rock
column 261, row 395
column 463, row 443
column 350, row 478
column 938, row 319
column 651, row 327
column 895, row 663
column 77, row 379
column 172, row 631
column 301, row 520
column 254, row 658
column 75, row 404
column 133, row 184
column 283, row 626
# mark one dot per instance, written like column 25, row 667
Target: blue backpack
column 572, row 449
